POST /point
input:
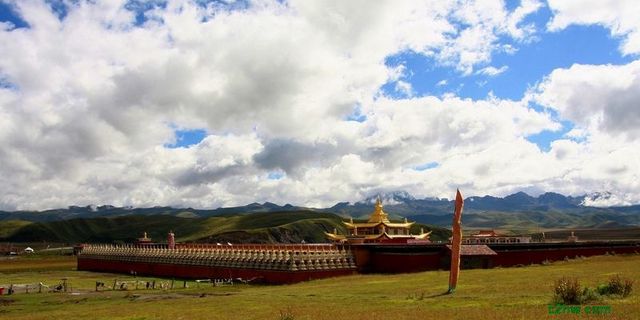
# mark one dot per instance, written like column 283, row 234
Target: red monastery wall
column 202, row 272
column 261, row 263
column 511, row 255
column 279, row 264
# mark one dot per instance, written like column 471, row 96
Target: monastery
column 375, row 246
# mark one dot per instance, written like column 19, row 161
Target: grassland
column 508, row 293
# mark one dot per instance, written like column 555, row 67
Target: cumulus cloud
column 619, row 16
column 596, row 97
column 601, row 100
column 488, row 21
column 89, row 100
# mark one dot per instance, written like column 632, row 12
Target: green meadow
column 502, row 293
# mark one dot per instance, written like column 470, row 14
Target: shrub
column 603, row 289
column 589, row 294
column 567, row 291
column 617, row 285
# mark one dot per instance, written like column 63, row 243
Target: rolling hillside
column 262, row 227
column 535, row 219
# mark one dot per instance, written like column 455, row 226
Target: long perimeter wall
column 412, row 258
column 259, row 263
column 280, row 263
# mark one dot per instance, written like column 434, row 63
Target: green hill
column 262, row 227
column 532, row 220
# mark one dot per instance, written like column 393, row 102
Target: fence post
column 114, row 284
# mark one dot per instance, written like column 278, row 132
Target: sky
column 222, row 103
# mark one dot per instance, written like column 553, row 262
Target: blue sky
column 526, row 67
column 216, row 103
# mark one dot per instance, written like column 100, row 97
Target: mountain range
column 518, row 211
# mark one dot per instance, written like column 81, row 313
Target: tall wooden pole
column 456, row 243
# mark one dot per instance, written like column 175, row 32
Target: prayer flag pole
column 456, row 243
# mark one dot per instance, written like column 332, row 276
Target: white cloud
column 602, row 102
column 596, row 97
column 488, row 21
column 404, row 87
column 491, row 71
column 93, row 99
column 620, row 16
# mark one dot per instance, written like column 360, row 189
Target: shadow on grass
column 446, row 293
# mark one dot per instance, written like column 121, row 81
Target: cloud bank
column 90, row 99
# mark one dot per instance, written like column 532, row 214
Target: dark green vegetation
column 569, row 291
column 535, row 219
column 507, row 293
column 264, row 227
column 111, row 211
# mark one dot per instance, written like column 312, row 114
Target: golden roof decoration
column 378, row 214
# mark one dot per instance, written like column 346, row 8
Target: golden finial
column 378, row 215
column 378, row 204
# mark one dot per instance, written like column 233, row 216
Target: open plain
column 502, row 293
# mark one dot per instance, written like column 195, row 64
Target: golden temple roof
column 375, row 224
column 339, row 237
column 378, row 218
column 334, row 236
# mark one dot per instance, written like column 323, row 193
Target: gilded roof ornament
column 378, row 214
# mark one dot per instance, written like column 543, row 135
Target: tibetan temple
column 378, row 229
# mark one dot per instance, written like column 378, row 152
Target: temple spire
column 378, row 214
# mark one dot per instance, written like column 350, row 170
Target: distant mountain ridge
column 518, row 209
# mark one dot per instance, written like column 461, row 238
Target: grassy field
column 508, row 293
